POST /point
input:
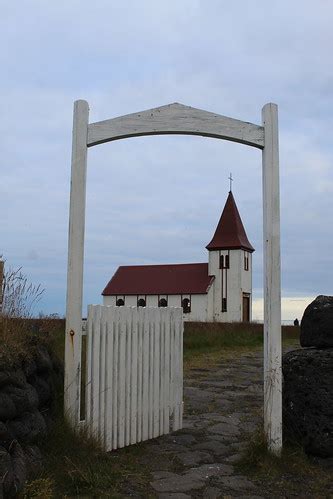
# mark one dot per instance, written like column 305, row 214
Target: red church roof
column 188, row 278
column 230, row 232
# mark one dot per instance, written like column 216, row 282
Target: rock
column 12, row 470
column 317, row 323
column 43, row 359
column 29, row 367
column 43, row 389
column 194, row 458
column 29, row 427
column 5, row 472
column 18, row 466
column 34, row 460
column 7, row 407
column 25, row 399
column 6, row 436
column 308, row 399
column 15, row 378
column 236, row 483
column 177, row 483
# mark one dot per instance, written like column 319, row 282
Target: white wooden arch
column 179, row 119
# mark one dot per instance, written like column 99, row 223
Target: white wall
column 199, row 303
column 246, row 280
column 235, row 281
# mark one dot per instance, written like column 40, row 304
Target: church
column 217, row 291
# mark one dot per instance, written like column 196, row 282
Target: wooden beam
column 75, row 264
column 272, row 284
column 175, row 119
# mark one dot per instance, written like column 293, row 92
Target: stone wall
column 308, row 381
column 27, row 403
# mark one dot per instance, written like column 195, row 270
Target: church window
column 246, row 261
column 224, row 261
column 224, row 304
column 186, row 304
column 141, row 302
column 120, row 302
column 162, row 302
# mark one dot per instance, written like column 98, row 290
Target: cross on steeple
column 231, row 180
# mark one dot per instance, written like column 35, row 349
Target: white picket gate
column 134, row 382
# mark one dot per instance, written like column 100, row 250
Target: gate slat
column 156, row 424
column 101, row 402
column 139, row 392
column 161, row 318
column 166, row 408
column 115, row 379
column 122, row 380
column 151, row 379
column 127, row 318
column 89, row 367
column 145, row 375
column 96, row 331
column 109, row 380
column 134, row 376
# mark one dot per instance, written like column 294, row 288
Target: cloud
column 158, row 199
column 291, row 307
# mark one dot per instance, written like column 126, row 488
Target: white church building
column 217, row 291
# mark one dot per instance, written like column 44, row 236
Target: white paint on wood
column 115, row 365
column 156, row 375
column 75, row 263
column 128, row 369
column 272, row 284
column 141, row 360
column 145, row 375
column 167, row 340
column 134, row 376
column 175, row 119
column 113, row 410
column 102, row 376
column 109, row 382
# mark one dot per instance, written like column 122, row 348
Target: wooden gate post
column 272, row 284
column 75, row 263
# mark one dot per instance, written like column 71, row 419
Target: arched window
column 141, row 302
column 120, row 302
column 186, row 304
column 162, row 302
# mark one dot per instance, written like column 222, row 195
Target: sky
column 158, row 199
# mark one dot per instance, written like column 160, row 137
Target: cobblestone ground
column 222, row 405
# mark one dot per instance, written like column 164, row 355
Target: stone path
column 221, row 405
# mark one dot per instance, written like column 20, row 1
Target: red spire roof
column 230, row 232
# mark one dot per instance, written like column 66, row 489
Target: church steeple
column 230, row 232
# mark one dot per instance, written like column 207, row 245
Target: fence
column 134, row 384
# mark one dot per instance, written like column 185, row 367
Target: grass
column 205, row 344
column 200, row 338
column 286, row 471
column 203, row 337
column 75, row 466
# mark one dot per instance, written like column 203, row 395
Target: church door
column 246, row 307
